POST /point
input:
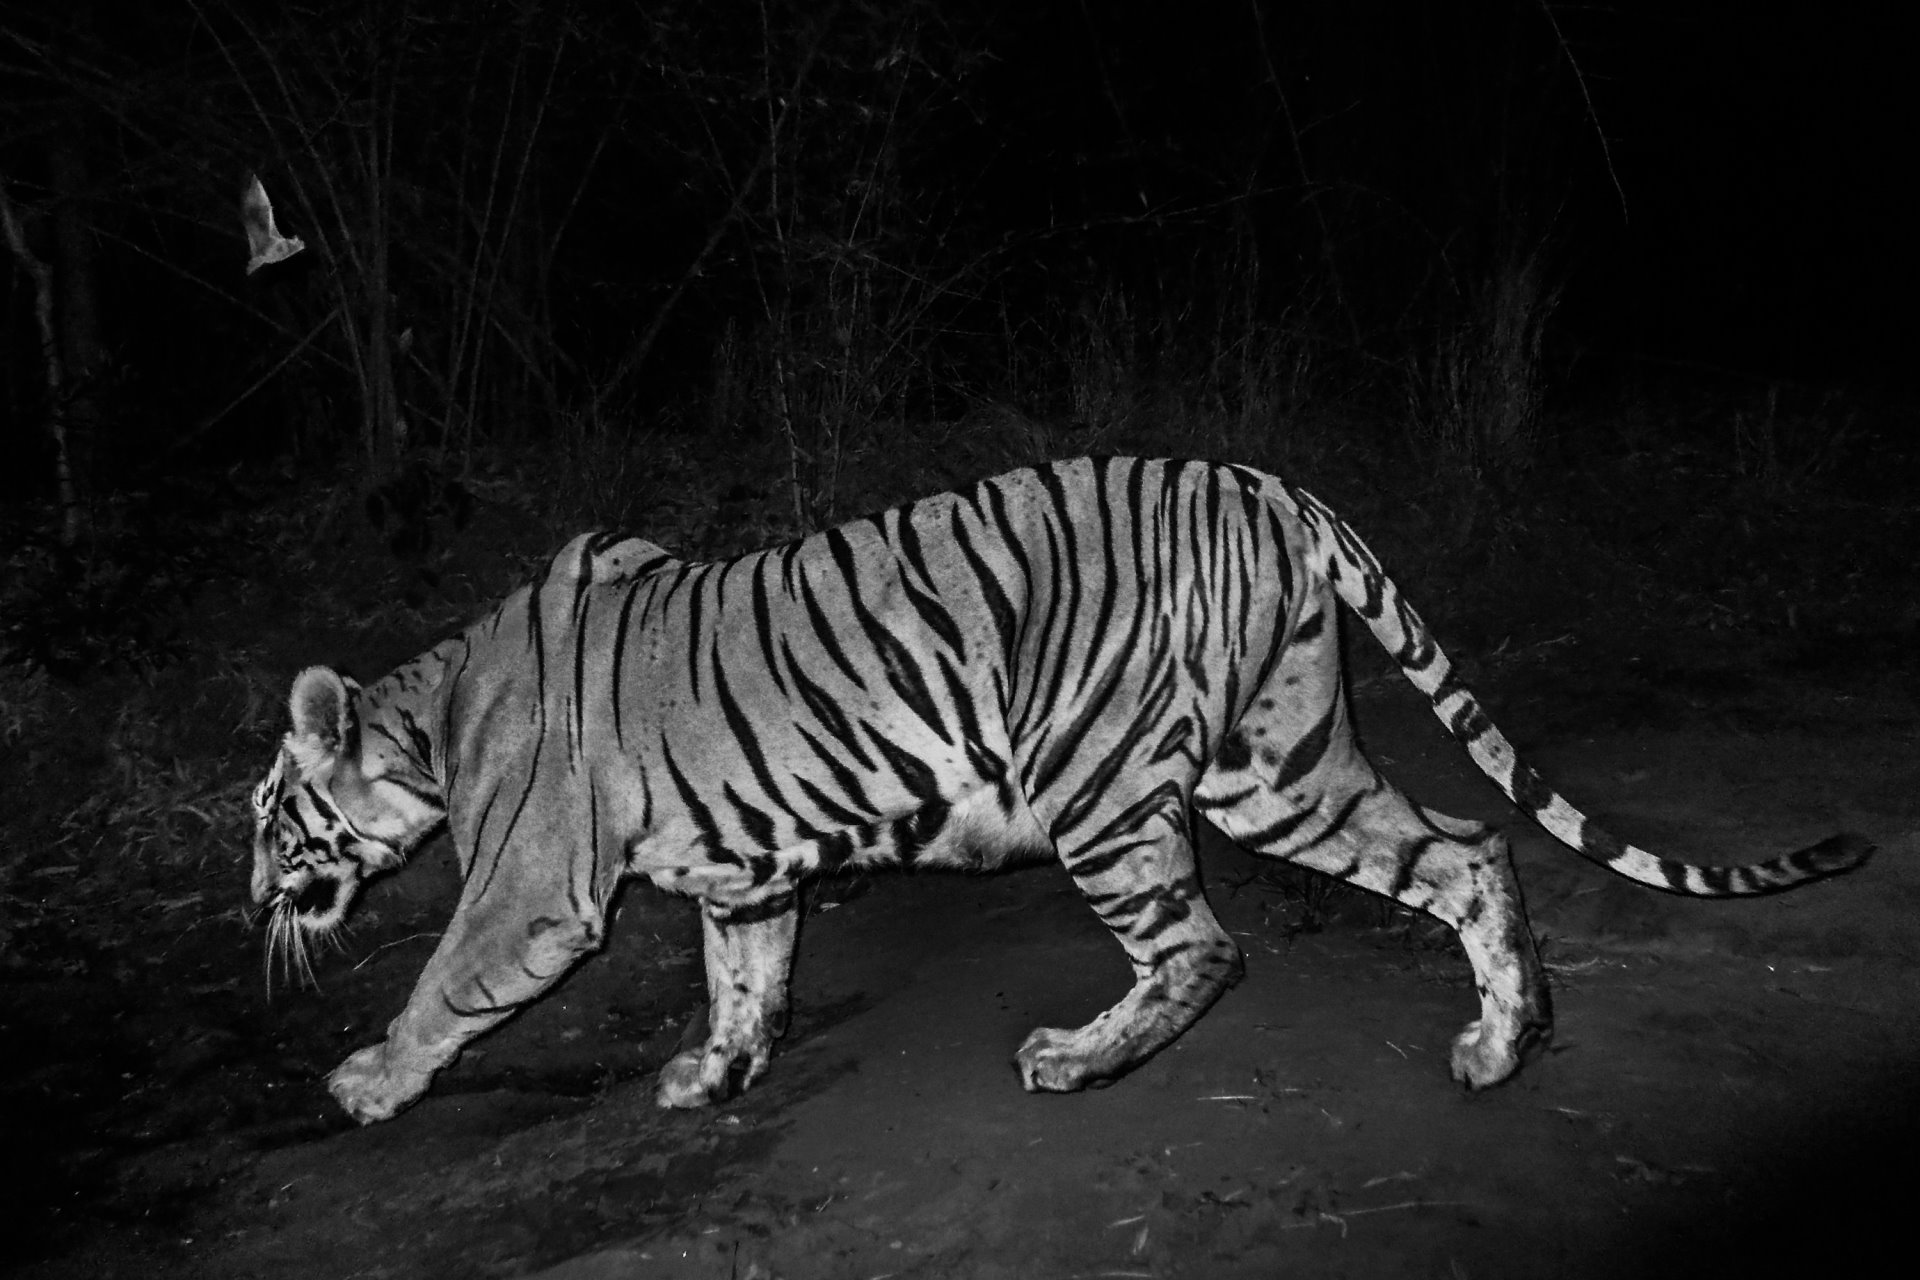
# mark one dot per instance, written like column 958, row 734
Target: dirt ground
column 1731, row 1089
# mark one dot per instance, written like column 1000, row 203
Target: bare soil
column 1731, row 1090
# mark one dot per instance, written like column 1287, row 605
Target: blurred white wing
column 264, row 240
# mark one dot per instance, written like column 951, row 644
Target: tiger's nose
column 262, row 884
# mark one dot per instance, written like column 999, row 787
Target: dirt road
column 1731, row 1089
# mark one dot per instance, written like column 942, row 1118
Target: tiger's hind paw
column 1055, row 1061
column 1482, row 1059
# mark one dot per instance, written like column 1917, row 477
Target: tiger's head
column 340, row 804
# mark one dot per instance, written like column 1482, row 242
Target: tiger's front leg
column 493, row 959
column 749, row 953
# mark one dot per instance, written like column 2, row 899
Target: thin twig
column 1606, row 149
column 207, row 423
column 388, row 946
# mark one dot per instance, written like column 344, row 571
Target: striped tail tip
column 1830, row 857
column 1835, row 854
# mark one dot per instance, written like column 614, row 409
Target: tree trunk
column 76, row 304
column 41, row 273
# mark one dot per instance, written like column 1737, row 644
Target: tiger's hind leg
column 1140, row 880
column 1312, row 798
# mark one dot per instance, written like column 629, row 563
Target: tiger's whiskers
column 288, row 944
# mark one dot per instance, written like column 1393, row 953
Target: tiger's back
column 989, row 659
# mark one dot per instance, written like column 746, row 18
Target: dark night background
column 533, row 187
column 1598, row 320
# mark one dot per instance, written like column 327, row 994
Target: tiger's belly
column 982, row 830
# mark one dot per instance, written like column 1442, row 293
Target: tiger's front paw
column 713, row 1073
column 1055, row 1061
column 371, row 1088
column 680, row 1083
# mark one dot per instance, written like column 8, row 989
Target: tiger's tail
column 1357, row 578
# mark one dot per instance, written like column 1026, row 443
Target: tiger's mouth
column 303, row 918
column 316, row 901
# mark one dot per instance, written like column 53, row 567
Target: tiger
column 1078, row 660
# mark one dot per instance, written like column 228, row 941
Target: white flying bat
column 264, row 240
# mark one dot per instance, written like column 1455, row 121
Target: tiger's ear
column 326, row 724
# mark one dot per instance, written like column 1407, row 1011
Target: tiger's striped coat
column 1073, row 660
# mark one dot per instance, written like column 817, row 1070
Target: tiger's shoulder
column 607, row 556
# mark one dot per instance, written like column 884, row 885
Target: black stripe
column 763, row 625
column 449, row 746
column 896, row 659
column 1094, row 864
column 478, row 1010
column 432, row 798
column 1110, row 575
column 696, row 611
column 582, row 605
column 1063, row 616
column 917, row 830
column 479, row 829
column 1409, row 859
column 1470, row 722
column 1530, row 791
column 1166, row 798
column 999, row 608
column 1171, row 911
column 1420, row 648
column 422, row 744
column 823, row 630
column 582, row 576
column 847, row 781
column 744, row 735
column 537, row 641
column 1198, row 605
column 696, row 809
column 833, row 810
column 1015, row 546
column 826, row 709
column 326, row 811
column 1272, row 837
column 912, row 771
column 1215, row 804
column 580, row 907
column 1072, row 737
column 604, row 540
column 989, row 766
column 1718, row 880
column 836, row 849
column 1244, row 552
column 1155, row 698
column 767, row 908
column 619, row 659
column 754, row 821
column 646, row 803
column 1180, row 731
column 1043, row 689
column 932, row 611
column 1338, row 823
column 1308, row 750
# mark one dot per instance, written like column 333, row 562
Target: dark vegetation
column 1587, row 331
